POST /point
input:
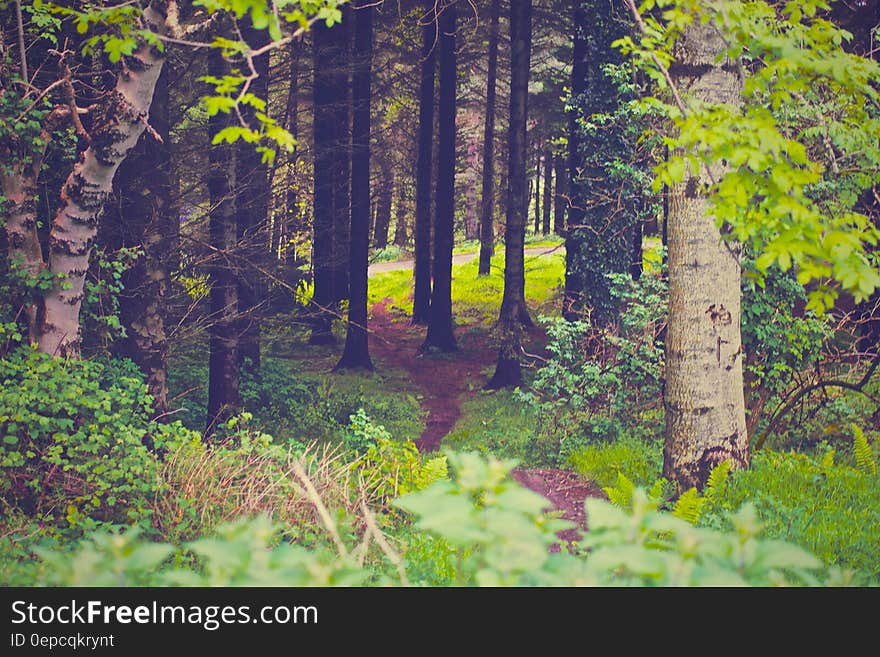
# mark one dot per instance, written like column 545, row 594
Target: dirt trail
column 445, row 380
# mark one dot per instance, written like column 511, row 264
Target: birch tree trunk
column 705, row 412
column 115, row 132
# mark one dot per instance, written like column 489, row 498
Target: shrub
column 75, row 436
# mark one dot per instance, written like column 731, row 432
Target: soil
column 445, row 381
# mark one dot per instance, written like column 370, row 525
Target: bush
column 600, row 382
column 75, row 438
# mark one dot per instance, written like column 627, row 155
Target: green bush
column 601, row 382
column 75, row 437
column 638, row 460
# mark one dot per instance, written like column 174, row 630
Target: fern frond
column 622, row 494
column 689, row 506
column 717, row 479
column 862, row 451
column 828, row 460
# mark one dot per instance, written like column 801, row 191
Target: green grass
column 497, row 423
column 639, row 461
column 478, row 298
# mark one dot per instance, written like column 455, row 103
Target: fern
column 862, row 452
column 622, row 494
column 717, row 479
column 827, row 460
column 689, row 506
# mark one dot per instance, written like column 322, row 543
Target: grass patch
column 639, row 461
column 497, row 423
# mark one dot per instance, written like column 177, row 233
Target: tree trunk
column 116, row 129
column 356, row 354
column 487, row 209
column 538, row 194
column 383, row 206
column 293, row 214
column 424, row 168
column 146, row 218
column 401, row 212
column 223, row 380
column 342, row 155
column 471, row 222
column 326, row 94
column 440, row 331
column 560, row 200
column 514, row 312
column 572, row 294
column 705, row 411
column 252, row 214
column 548, row 190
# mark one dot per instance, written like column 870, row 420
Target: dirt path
column 445, row 381
column 460, row 258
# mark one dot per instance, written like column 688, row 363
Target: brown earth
column 445, row 381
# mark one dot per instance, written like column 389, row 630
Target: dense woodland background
column 671, row 304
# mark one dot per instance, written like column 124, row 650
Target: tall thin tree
column 548, row 190
column 514, row 313
column 424, row 167
column 487, row 202
column 440, row 330
column 223, row 373
column 356, row 353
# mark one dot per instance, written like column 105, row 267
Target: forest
column 439, row 293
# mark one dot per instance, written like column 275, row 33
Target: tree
column 440, row 331
column 424, row 168
column 514, row 313
column 487, row 203
column 356, row 353
column 223, row 365
column 560, row 200
column 115, row 131
column 548, row 190
column 146, row 220
column 327, row 94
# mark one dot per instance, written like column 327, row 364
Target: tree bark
column 487, row 204
column 514, row 313
column 290, row 227
column 572, row 294
column 705, row 411
column 401, row 212
column 324, row 45
column 548, row 190
column 560, row 200
column 440, row 331
column 116, row 129
column 538, row 194
column 146, row 219
column 252, row 215
column 356, row 354
column 342, row 155
column 424, row 168
column 383, row 205
column 223, row 372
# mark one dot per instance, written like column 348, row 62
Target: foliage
column 807, row 124
column 75, row 436
column 99, row 315
column 637, row 460
column 828, row 508
column 779, row 341
column 390, row 467
column 598, row 380
column 495, row 422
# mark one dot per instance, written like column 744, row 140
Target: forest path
column 445, row 380
column 461, row 258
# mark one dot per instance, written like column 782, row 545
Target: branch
column 821, row 385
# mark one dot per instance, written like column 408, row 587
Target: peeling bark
column 115, row 131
